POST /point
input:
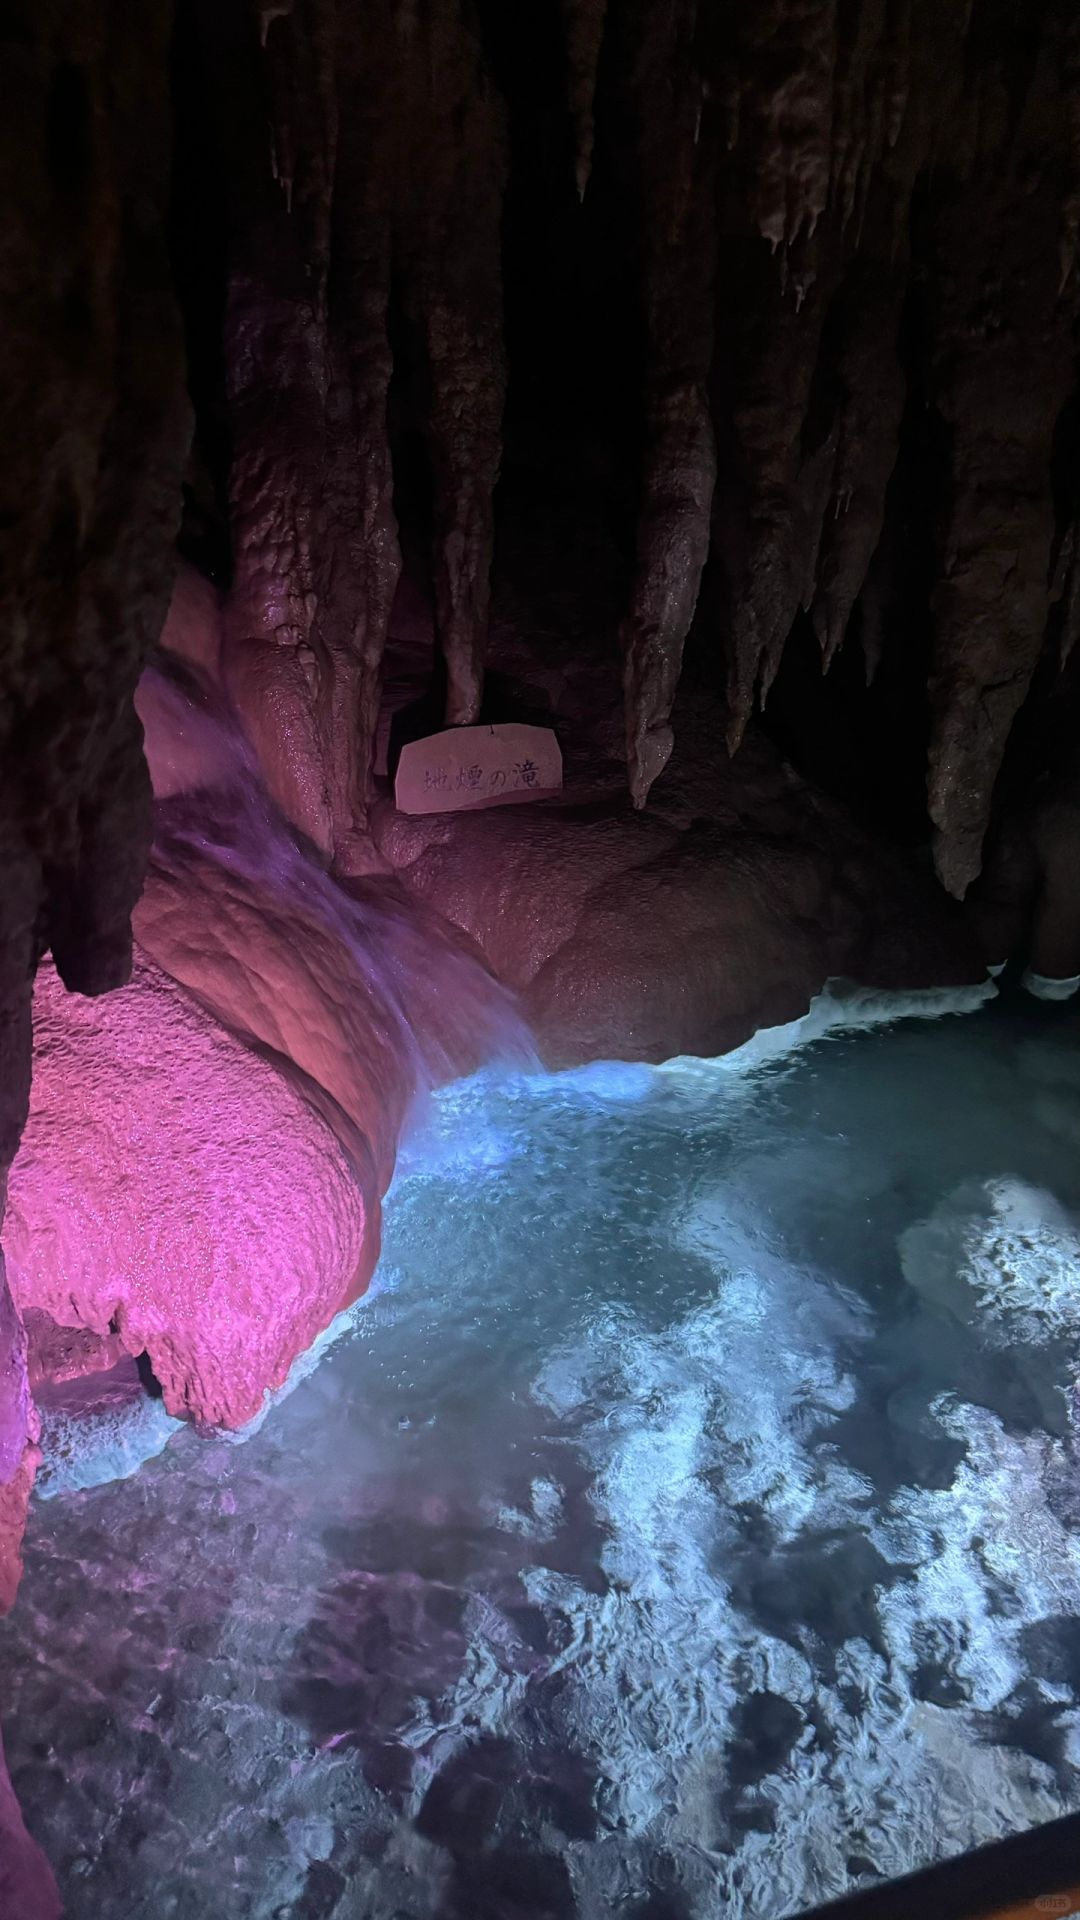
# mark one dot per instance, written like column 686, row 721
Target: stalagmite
column 678, row 188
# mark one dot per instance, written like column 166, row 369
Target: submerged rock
column 27, row 1888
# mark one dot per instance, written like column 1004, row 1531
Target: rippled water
column 688, row 1525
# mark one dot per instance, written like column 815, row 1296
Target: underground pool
column 686, row 1524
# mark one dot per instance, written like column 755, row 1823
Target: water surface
column 687, row 1525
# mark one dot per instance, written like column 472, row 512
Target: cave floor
column 687, row 1524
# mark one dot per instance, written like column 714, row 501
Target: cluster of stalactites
column 781, row 148
column 388, row 153
column 830, row 121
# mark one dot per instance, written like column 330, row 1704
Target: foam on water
column 1004, row 1253
column 89, row 1449
column 689, row 1524
column 839, row 1008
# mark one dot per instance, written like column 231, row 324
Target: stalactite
column 465, row 356
column 300, row 48
column 871, row 388
column 860, row 108
column 356, row 561
column 584, row 33
column 872, row 605
column 453, row 260
column 1066, row 591
column 822, row 94
column 896, row 67
column 677, row 160
column 840, row 124
column 397, row 146
column 94, row 426
column 267, row 11
column 276, row 361
column 673, row 539
column 1002, row 370
column 1070, row 626
column 309, row 368
column 361, row 560
column 773, row 495
column 89, row 492
column 1070, row 90
column 786, row 63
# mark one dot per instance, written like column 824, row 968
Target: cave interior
column 694, row 382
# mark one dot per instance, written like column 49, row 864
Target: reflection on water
column 687, row 1526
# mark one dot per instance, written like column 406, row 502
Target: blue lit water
column 688, row 1525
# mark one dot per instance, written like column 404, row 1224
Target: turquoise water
column 687, row 1525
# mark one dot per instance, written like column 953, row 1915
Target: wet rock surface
column 683, row 929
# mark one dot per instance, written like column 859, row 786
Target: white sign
column 477, row 767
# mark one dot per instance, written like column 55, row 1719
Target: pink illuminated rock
column 626, row 938
column 367, row 993
column 278, row 976
column 55, row 1356
column 176, row 1187
column 272, row 689
column 639, row 936
column 193, row 626
column 18, row 1434
column 14, row 1500
column 470, row 767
